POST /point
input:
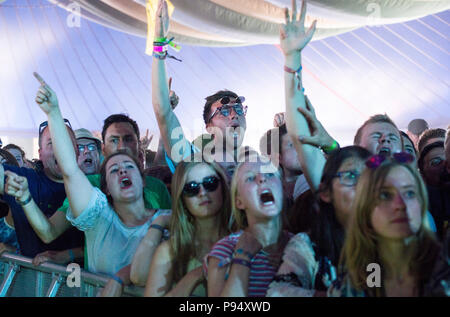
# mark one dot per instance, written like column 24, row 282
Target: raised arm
column 78, row 188
column 169, row 126
column 47, row 229
column 293, row 38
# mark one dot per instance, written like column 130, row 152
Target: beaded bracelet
column 242, row 262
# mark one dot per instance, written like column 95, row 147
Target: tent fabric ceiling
column 251, row 22
column 400, row 69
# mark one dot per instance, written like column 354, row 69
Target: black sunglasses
column 210, row 184
column 44, row 124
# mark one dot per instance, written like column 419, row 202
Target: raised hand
column 162, row 20
column 46, row 97
column 16, row 186
column 319, row 136
column 279, row 119
column 146, row 140
column 293, row 36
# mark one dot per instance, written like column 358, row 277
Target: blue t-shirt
column 48, row 195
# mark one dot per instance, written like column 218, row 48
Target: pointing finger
column 40, row 79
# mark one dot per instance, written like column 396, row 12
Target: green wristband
column 329, row 149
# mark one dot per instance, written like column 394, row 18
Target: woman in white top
column 114, row 218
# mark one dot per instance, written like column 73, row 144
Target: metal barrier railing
column 20, row 278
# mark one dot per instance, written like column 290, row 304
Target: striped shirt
column 261, row 272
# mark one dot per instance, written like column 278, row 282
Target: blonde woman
column 244, row 263
column 388, row 230
column 200, row 215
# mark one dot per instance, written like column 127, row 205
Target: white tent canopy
column 97, row 69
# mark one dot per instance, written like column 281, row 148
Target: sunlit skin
column 398, row 212
column 224, row 127
column 343, row 196
column 434, row 166
column 254, row 179
column 379, row 135
column 289, row 158
column 118, row 168
column 118, row 136
column 205, row 204
column 88, row 161
column 16, row 153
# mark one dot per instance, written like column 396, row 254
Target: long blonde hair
column 360, row 246
column 182, row 224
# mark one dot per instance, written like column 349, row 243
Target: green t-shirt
column 156, row 195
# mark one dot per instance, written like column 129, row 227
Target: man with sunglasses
column 89, row 148
column 223, row 114
column 46, row 189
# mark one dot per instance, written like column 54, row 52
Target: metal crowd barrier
column 20, row 278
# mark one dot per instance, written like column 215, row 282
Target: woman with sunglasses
column 389, row 251
column 113, row 218
column 201, row 211
column 244, row 263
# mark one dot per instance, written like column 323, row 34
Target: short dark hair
column 119, row 117
column 407, row 136
column 212, row 99
column 373, row 119
column 429, row 134
column 15, row 147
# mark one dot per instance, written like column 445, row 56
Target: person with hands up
column 223, row 113
column 45, row 189
column 113, row 218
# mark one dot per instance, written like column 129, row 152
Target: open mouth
column 385, row 151
column 88, row 161
column 125, row 183
column 267, row 197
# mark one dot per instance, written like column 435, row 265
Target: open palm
column 293, row 36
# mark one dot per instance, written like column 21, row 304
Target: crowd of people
column 302, row 216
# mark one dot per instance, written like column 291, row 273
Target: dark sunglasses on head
column 401, row 157
column 210, row 184
column 44, row 124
